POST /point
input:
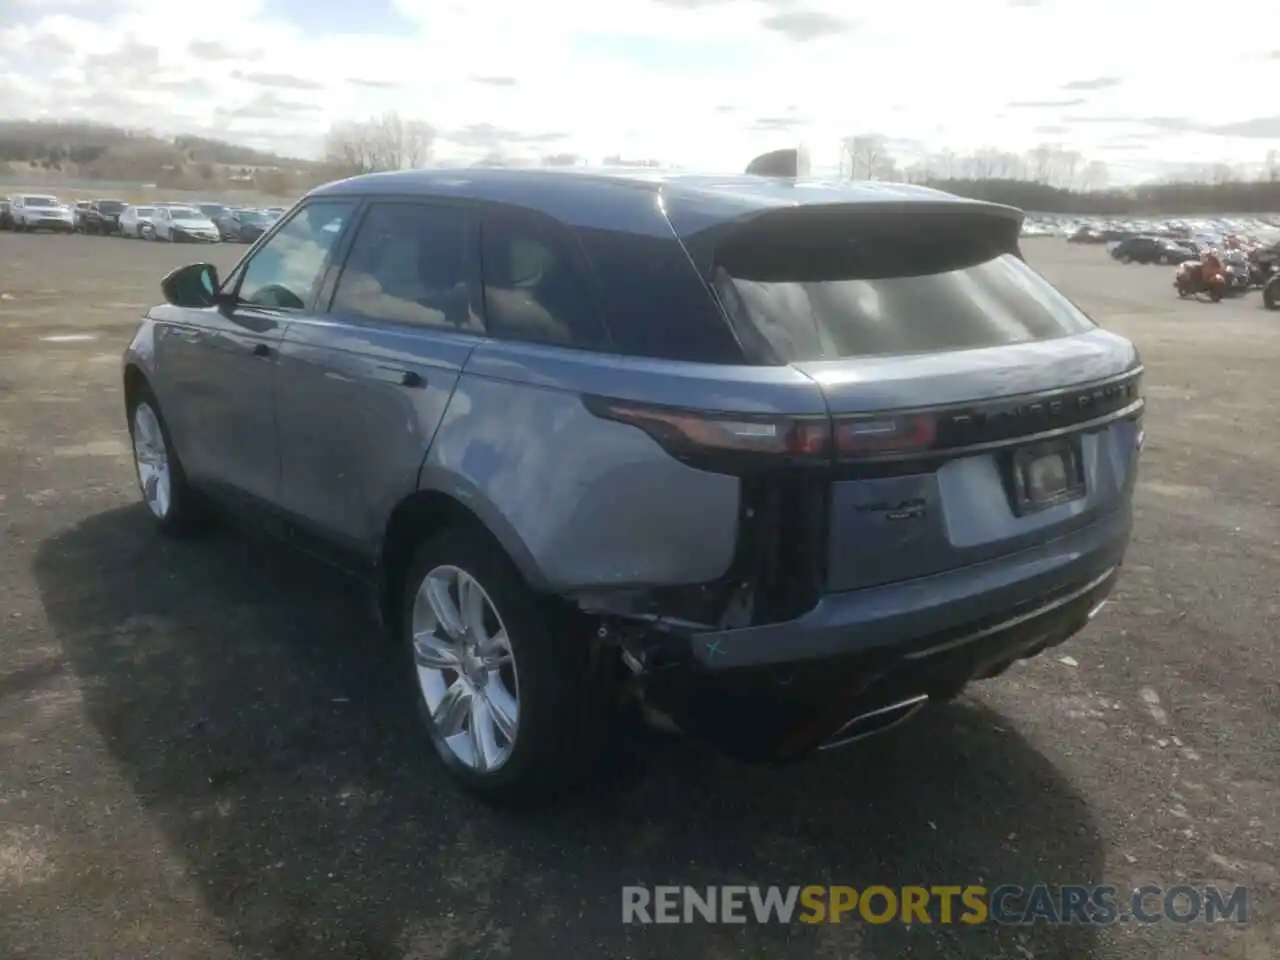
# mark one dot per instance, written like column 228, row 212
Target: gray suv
column 767, row 460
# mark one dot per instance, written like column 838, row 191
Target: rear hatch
column 976, row 411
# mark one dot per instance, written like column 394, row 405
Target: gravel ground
column 199, row 755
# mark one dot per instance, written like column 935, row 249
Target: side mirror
column 195, row 285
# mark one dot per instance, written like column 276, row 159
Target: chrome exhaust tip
column 875, row 721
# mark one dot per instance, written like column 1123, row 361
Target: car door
column 365, row 383
column 221, row 362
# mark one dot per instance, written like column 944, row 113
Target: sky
column 698, row 83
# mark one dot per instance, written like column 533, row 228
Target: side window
column 534, row 289
column 285, row 272
column 409, row 264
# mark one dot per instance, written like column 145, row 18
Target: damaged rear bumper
column 863, row 660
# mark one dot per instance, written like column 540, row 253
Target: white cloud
column 656, row 78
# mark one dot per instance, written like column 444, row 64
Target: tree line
column 1054, row 179
column 1049, row 178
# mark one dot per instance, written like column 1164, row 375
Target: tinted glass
column 285, row 271
column 40, row 201
column 110, row 206
column 658, row 305
column 534, row 289
column 999, row 301
column 408, row 264
column 144, row 211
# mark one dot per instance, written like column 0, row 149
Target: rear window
column 794, row 304
column 111, row 206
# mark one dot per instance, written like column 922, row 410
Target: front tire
column 512, row 700
column 161, row 479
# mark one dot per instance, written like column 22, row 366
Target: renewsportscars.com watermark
column 972, row 905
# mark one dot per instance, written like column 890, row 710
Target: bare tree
column 388, row 142
column 1096, row 176
column 1041, row 162
column 868, row 159
column 1066, row 165
column 1222, row 173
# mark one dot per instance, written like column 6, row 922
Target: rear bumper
column 915, row 611
column 776, row 691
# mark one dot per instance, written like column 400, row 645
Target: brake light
column 723, row 441
column 880, row 434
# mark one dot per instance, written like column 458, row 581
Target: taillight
column 884, row 434
column 724, row 442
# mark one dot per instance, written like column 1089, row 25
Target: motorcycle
column 1264, row 263
column 1238, row 271
column 1271, row 292
column 1190, row 281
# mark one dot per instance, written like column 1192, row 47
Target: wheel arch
column 135, row 381
column 441, row 502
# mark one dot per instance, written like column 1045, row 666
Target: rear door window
column 536, row 288
column 795, row 303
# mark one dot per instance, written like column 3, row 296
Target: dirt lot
column 199, row 757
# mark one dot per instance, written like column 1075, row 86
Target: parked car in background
column 78, row 210
column 175, row 223
column 275, row 213
column 579, row 439
column 211, row 210
column 6, row 217
column 136, row 222
column 1087, row 235
column 41, row 212
column 1145, row 249
column 103, row 216
column 242, row 226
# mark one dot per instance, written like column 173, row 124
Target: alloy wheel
column 466, row 669
column 151, row 456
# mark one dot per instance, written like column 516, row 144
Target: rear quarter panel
column 592, row 503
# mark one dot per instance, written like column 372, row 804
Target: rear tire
column 539, row 725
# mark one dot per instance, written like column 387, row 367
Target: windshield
column 40, row 201
column 185, row 213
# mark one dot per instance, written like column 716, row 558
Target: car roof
column 604, row 197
